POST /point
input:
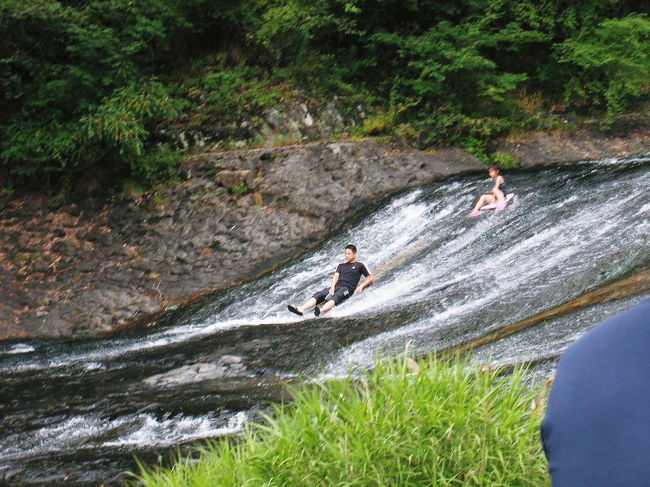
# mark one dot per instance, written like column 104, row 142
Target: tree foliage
column 613, row 62
column 86, row 85
column 79, row 82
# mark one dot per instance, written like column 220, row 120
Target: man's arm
column 335, row 279
column 367, row 282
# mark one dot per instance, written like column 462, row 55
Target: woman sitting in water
column 498, row 195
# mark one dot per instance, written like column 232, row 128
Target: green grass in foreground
column 436, row 423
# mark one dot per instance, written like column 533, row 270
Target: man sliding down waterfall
column 345, row 281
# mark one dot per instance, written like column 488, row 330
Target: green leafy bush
column 241, row 188
column 380, row 123
column 120, row 122
column 614, row 62
column 229, row 93
column 504, row 160
column 404, row 424
column 80, row 87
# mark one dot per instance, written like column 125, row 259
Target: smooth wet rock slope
column 83, row 268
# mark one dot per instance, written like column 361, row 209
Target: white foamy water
column 509, row 266
column 19, row 349
column 90, row 432
column 565, row 231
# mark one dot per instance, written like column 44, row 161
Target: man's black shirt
column 350, row 274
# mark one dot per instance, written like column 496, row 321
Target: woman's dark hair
column 351, row 247
column 495, row 168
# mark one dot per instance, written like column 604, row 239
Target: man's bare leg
column 309, row 304
column 326, row 307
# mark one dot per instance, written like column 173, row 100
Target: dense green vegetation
column 404, row 424
column 91, row 87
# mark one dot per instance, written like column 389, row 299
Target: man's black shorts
column 340, row 295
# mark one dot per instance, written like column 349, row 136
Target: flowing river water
column 76, row 412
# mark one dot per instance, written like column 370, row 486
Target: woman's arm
column 497, row 191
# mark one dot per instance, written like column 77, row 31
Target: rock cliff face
column 544, row 148
column 84, row 269
column 290, row 122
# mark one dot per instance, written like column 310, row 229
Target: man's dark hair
column 352, row 248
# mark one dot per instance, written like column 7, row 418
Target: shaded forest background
column 90, row 88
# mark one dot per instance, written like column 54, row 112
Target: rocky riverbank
column 91, row 266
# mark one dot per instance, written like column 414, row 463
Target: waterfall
column 83, row 408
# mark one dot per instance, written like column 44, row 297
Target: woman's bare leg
column 485, row 199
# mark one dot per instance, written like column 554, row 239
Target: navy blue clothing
column 503, row 187
column 597, row 427
column 350, row 274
